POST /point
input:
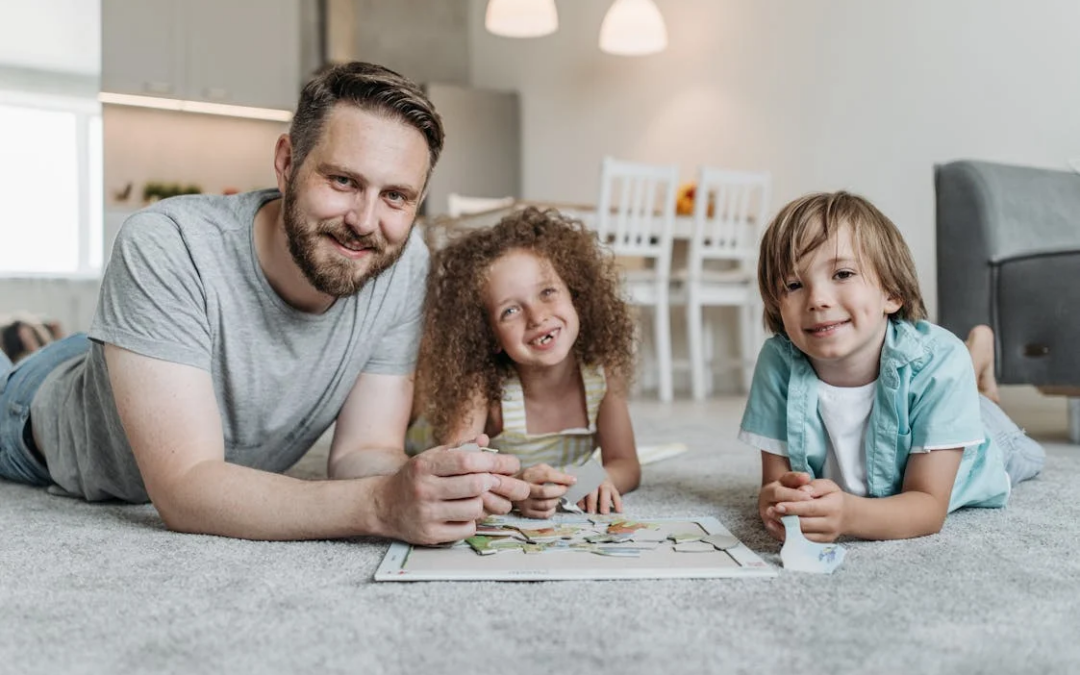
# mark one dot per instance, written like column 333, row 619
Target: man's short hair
column 369, row 87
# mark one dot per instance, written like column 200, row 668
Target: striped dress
column 569, row 447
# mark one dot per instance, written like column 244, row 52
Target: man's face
column 349, row 208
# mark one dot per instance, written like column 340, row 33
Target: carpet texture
column 105, row 588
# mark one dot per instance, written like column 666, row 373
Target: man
column 231, row 331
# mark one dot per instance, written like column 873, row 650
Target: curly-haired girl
column 527, row 340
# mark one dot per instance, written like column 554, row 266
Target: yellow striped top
column 569, row 447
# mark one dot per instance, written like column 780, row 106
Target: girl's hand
column 604, row 499
column 546, row 486
column 821, row 518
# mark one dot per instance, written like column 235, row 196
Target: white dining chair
column 460, row 205
column 635, row 217
column 729, row 215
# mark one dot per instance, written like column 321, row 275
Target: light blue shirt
column 926, row 398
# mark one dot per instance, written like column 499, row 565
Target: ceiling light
column 633, row 28
column 271, row 114
column 521, row 18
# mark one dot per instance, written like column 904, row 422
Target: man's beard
column 335, row 275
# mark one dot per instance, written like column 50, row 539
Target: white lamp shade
column 633, row 28
column 521, row 18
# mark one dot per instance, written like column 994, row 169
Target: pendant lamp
column 521, row 18
column 633, row 28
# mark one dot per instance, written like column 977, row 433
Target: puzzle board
column 461, row 562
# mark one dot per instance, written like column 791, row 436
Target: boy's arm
column 920, row 508
column 615, row 436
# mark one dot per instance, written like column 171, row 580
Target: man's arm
column 172, row 422
column 369, row 440
column 369, row 436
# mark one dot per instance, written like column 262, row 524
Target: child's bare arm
column 615, row 436
column 920, row 509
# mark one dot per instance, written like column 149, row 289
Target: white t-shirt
column 845, row 412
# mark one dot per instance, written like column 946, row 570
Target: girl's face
column 530, row 310
column 835, row 311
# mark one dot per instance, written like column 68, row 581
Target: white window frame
column 91, row 209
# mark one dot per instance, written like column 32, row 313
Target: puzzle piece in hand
column 473, row 447
column 802, row 555
column 589, row 477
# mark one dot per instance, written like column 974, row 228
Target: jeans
column 18, row 384
column 1024, row 458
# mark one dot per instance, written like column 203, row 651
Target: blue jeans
column 1024, row 458
column 18, row 459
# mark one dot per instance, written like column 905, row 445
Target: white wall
column 51, row 35
column 826, row 94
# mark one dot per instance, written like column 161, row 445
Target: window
column 50, row 138
column 50, row 186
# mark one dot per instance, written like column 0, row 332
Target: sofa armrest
column 990, row 213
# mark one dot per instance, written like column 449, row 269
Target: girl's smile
column 530, row 310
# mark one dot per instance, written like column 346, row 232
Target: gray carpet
column 105, row 588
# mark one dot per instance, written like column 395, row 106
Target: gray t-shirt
column 184, row 285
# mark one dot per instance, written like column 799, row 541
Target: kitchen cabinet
column 240, row 52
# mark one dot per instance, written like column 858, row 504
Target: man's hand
column 603, row 499
column 499, row 500
column 792, row 486
column 822, row 517
column 546, row 486
column 439, row 495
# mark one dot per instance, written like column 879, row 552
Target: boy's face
column 530, row 310
column 835, row 311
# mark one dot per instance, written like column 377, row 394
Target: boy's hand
column 822, row 517
column 546, row 486
column 603, row 499
column 793, row 486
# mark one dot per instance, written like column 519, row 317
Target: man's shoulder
column 196, row 213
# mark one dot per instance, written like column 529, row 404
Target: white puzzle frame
column 406, row 562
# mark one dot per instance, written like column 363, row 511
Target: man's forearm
column 225, row 499
column 366, row 463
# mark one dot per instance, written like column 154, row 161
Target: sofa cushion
column 1034, row 314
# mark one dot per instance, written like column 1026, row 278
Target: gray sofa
column 1008, row 255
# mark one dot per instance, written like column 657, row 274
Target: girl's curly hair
column 458, row 351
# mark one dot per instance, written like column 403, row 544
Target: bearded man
column 232, row 331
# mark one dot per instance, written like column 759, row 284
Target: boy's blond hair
column 808, row 222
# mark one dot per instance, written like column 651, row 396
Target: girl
column 527, row 340
column 869, row 418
